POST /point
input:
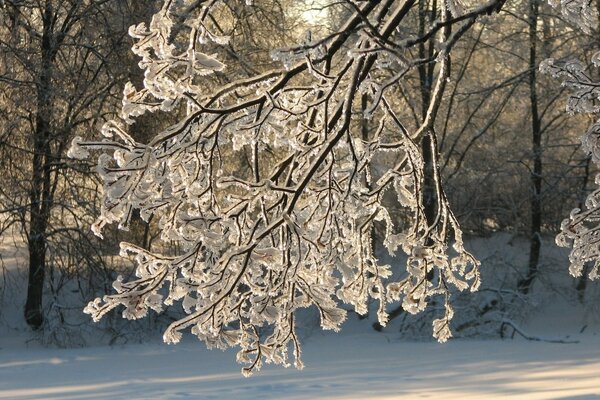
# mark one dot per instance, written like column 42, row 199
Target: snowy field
column 358, row 363
column 367, row 366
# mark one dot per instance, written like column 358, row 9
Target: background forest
column 510, row 156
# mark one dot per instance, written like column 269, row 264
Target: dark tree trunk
column 35, row 287
column 536, row 173
column 427, row 14
column 428, row 144
column 40, row 192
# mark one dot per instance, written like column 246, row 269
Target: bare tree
column 57, row 67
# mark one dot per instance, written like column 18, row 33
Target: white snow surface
column 351, row 366
column 357, row 363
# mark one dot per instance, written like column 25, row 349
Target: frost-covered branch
column 582, row 229
column 270, row 188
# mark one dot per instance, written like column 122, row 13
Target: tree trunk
column 40, row 192
column 536, row 173
column 428, row 144
column 37, row 266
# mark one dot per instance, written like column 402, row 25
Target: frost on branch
column 271, row 189
column 581, row 13
column 581, row 230
column 585, row 92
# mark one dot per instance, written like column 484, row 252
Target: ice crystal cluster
column 582, row 229
column 580, row 13
column 268, row 184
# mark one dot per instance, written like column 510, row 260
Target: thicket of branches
column 317, row 143
column 273, row 149
column 61, row 75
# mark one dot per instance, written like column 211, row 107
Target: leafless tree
column 58, row 77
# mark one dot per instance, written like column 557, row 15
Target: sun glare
column 315, row 12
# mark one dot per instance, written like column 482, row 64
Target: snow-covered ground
column 350, row 366
column 358, row 363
